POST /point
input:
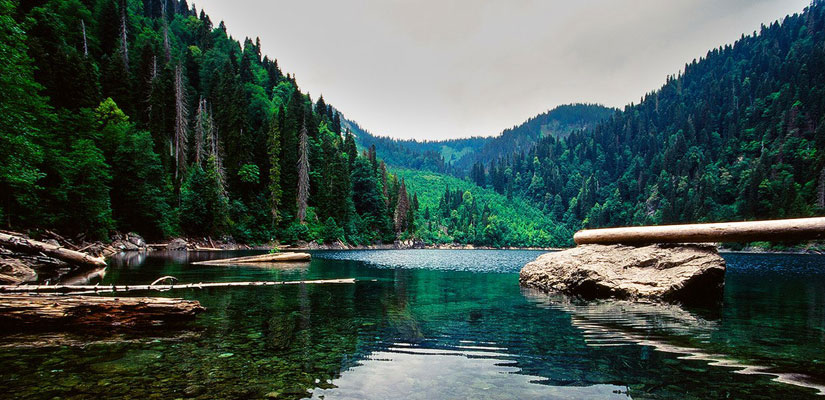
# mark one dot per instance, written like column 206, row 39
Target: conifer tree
column 274, row 152
column 303, row 173
column 401, row 209
column 181, row 133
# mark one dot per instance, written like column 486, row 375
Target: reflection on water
column 664, row 327
column 465, row 371
column 427, row 324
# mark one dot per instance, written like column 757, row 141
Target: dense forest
column 453, row 210
column 739, row 134
column 140, row 115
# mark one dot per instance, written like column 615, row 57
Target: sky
column 440, row 69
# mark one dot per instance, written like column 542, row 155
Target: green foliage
column 23, row 112
column 455, row 210
column 87, row 191
column 204, row 207
column 249, row 173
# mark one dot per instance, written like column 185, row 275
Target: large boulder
column 686, row 273
column 177, row 245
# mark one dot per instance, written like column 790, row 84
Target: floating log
column 52, row 312
column 268, row 258
column 130, row 288
column 21, row 244
column 750, row 231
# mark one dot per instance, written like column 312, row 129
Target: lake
column 437, row 324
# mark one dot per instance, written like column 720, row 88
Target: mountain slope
column 740, row 134
column 456, row 156
column 558, row 122
column 475, row 215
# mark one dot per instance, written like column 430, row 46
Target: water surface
column 430, row 324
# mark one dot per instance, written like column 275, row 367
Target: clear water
column 438, row 324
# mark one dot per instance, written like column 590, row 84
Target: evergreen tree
column 303, row 174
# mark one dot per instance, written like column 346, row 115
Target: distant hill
column 448, row 215
column 456, row 156
column 558, row 122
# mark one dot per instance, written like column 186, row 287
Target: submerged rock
column 687, row 273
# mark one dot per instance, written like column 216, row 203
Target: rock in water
column 686, row 273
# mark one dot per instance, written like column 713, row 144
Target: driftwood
column 199, row 248
column 751, row 231
column 130, row 288
column 53, row 312
column 21, row 244
column 268, row 258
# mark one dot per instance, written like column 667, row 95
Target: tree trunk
column 277, row 257
column 18, row 312
column 750, row 231
column 24, row 245
column 91, row 289
column 820, row 198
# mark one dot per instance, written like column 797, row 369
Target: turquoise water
column 437, row 324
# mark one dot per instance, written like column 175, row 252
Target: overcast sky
column 439, row 69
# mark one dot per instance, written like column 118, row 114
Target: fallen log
column 21, row 244
column 130, row 288
column 199, row 248
column 749, row 231
column 269, row 258
column 19, row 312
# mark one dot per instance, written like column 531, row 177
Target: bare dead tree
column 124, row 48
column 214, row 148
column 154, row 68
column 85, row 45
column 166, row 46
column 820, row 198
column 200, row 130
column 303, row 173
column 181, row 125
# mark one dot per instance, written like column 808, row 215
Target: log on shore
column 24, row 245
column 199, row 248
column 750, row 231
column 159, row 287
column 20, row 312
column 267, row 258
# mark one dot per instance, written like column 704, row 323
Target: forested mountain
column 429, row 155
column 739, row 134
column 558, row 122
column 140, row 115
column 457, row 156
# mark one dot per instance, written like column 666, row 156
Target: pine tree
column 274, row 152
column 402, row 208
column 201, row 127
column 303, row 174
column 181, row 135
